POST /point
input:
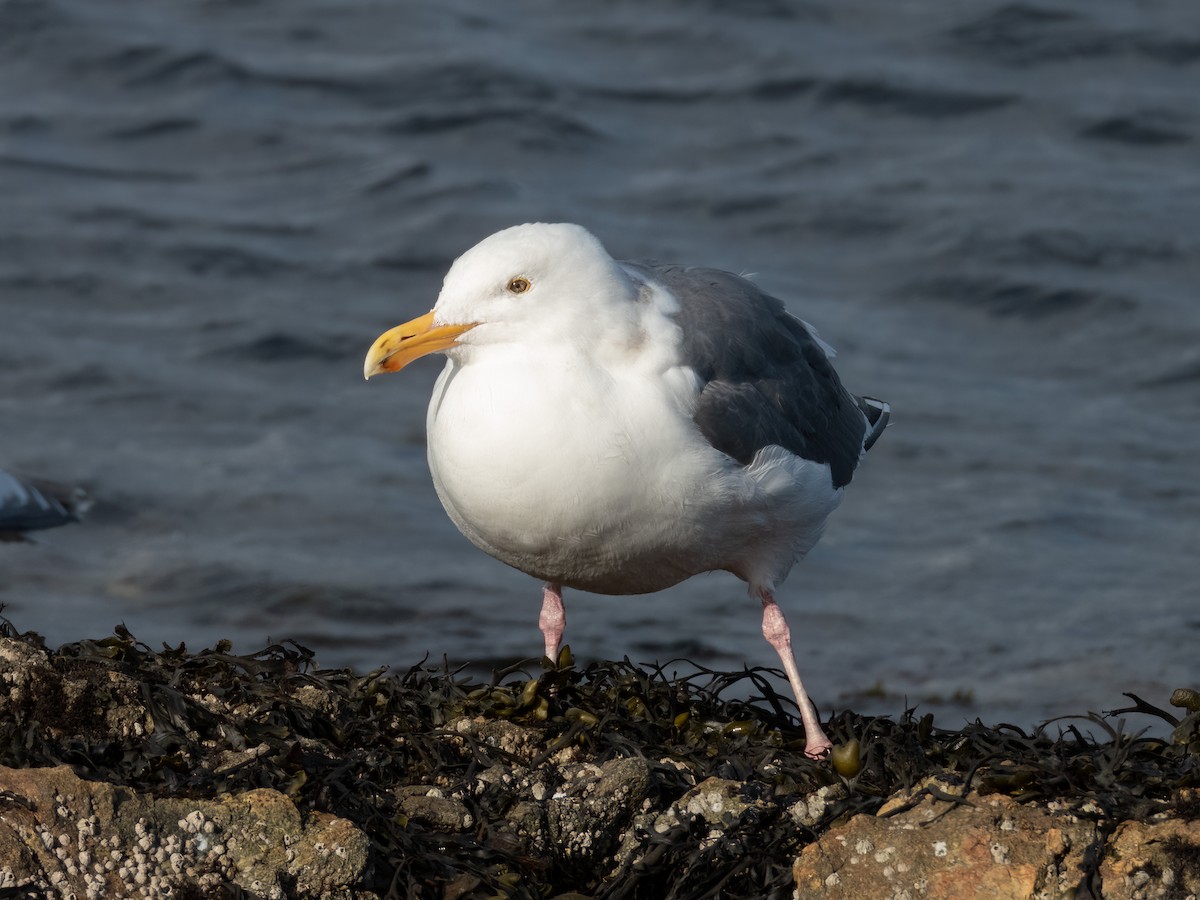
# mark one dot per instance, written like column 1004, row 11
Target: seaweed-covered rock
column 66, row 698
column 218, row 774
column 586, row 816
column 716, row 804
column 59, row 833
column 428, row 805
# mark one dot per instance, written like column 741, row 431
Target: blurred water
column 209, row 209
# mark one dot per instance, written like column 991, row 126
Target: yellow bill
column 395, row 349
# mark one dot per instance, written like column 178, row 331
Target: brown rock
column 59, row 833
column 1146, row 861
column 988, row 847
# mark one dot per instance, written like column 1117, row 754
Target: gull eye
column 519, row 285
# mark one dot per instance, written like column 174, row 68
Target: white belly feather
column 607, row 485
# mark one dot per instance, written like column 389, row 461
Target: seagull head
column 529, row 281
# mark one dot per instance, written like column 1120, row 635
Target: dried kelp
column 174, row 722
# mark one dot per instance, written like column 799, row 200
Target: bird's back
column 768, row 379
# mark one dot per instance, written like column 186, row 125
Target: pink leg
column 775, row 629
column 552, row 619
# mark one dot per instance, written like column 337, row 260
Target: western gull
column 618, row 427
column 29, row 505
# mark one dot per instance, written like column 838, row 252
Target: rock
column 586, row 817
column 61, row 833
column 428, row 805
column 526, row 826
column 523, row 743
column 984, row 847
column 718, row 802
column 810, row 811
column 202, row 774
column 70, row 698
column 1147, row 861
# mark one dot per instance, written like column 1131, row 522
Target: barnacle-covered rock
column 588, row 813
column 213, row 773
column 59, row 832
column 812, row 810
column 949, row 845
column 58, row 696
column 718, row 803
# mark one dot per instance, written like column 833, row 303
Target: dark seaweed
column 347, row 746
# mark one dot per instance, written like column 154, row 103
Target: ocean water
column 208, row 210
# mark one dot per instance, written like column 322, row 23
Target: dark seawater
column 209, row 210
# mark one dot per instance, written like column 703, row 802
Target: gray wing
column 767, row 380
column 29, row 505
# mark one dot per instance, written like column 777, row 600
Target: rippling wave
column 207, row 210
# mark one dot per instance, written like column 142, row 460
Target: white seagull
column 618, row 427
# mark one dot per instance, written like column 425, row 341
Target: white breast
column 602, row 482
column 561, row 473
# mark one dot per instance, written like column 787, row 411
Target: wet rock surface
column 126, row 771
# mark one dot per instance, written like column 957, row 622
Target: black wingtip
column 877, row 412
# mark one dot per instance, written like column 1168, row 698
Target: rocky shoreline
column 129, row 772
